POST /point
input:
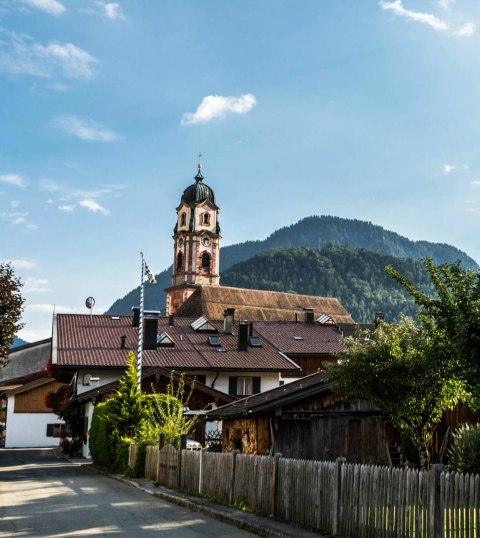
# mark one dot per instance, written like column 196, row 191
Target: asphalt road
column 42, row 496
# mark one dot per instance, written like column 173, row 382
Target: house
column 25, row 382
column 201, row 398
column 304, row 419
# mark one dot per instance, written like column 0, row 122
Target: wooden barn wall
column 33, row 401
column 359, row 439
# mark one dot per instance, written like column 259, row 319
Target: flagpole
column 140, row 328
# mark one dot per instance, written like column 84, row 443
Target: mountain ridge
column 314, row 232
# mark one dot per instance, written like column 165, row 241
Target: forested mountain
column 17, row 342
column 315, row 232
column 320, row 231
column 356, row 277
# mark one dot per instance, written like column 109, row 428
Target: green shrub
column 465, row 451
column 101, row 446
column 122, row 450
column 139, row 470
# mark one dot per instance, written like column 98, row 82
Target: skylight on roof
column 214, row 340
column 255, row 341
column 202, row 324
column 325, row 319
column 298, row 337
column 164, row 340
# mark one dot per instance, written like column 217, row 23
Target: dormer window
column 183, row 219
column 206, row 219
column 205, row 260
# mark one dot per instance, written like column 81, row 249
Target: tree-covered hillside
column 320, row 231
column 315, row 232
column 355, row 276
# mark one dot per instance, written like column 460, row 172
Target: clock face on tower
column 206, row 241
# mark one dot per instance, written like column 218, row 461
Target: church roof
column 259, row 305
column 198, row 192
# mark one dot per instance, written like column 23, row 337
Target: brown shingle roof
column 259, row 305
column 300, row 338
column 83, row 340
column 265, row 401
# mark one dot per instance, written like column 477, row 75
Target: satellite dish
column 90, row 302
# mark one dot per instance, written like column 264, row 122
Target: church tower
column 196, row 249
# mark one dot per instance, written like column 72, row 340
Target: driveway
column 42, row 496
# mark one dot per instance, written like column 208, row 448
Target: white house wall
column 29, row 430
column 104, row 377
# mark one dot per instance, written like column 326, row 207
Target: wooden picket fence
column 337, row 498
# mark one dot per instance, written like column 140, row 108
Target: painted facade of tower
column 196, row 250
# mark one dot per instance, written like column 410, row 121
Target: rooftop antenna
column 90, row 303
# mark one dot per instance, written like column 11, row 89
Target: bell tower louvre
column 196, row 249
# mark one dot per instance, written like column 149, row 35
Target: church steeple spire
column 196, row 243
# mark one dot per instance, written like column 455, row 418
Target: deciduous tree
column 11, row 308
column 394, row 367
column 452, row 317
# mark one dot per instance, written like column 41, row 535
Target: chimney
column 171, row 320
column 379, row 317
column 136, row 316
column 243, row 336
column 228, row 319
column 250, row 329
column 122, row 341
column 309, row 315
column 150, row 333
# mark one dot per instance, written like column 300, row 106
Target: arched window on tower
column 183, row 219
column 205, row 260
column 206, row 219
column 179, row 261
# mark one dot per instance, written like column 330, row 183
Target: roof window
column 164, row 340
column 202, row 324
column 214, row 340
column 255, row 341
column 325, row 319
column 298, row 337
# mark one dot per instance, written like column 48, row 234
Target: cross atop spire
column 199, row 176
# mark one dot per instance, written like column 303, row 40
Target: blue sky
column 362, row 109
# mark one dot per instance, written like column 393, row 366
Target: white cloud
column 217, row 106
column 21, row 55
column 93, row 206
column 21, row 263
column 445, row 4
column 467, row 30
column 112, row 10
column 425, row 18
column 50, row 185
column 448, row 169
column 52, row 7
column 476, row 183
column 66, row 208
column 15, row 203
column 12, row 179
column 84, row 129
column 35, row 285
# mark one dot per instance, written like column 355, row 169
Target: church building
column 196, row 289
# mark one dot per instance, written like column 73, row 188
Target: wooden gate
column 168, row 462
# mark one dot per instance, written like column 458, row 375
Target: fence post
column 275, row 485
column 161, row 441
column 232, row 476
column 435, row 511
column 200, row 471
column 337, row 495
column 183, row 446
